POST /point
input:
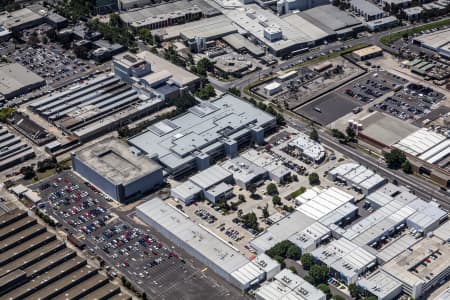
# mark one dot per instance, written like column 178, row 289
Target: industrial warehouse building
column 16, row 80
column 144, row 83
column 198, row 241
column 98, row 106
column 308, row 147
column 332, row 19
column 216, row 182
column 164, row 14
column 212, row 183
column 245, row 173
column 381, row 285
column 281, row 35
column 428, row 153
column 421, row 267
column 289, row 286
column 317, row 203
column 207, row 132
column 357, row 176
column 345, row 259
column 110, row 165
column 396, row 208
column 13, row 150
column 367, row 53
column 177, row 75
column 20, row 19
column 281, row 231
column 278, row 172
column 154, row 74
column 34, row 264
column 366, row 9
column 438, row 41
column 309, row 226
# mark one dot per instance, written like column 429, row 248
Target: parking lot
column 50, row 62
column 309, row 82
column 146, row 258
column 351, row 97
column 412, row 102
column 74, row 203
column 373, row 86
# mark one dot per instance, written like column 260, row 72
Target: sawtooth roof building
column 34, row 264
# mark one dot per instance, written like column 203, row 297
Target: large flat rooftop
column 207, row 244
column 435, row 40
column 14, row 77
column 165, row 10
column 18, row 17
column 385, row 129
column 297, row 31
column 179, row 75
column 415, row 265
column 178, row 141
column 330, row 17
column 114, row 161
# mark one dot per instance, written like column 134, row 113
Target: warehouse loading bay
column 351, row 97
column 124, row 244
column 300, row 86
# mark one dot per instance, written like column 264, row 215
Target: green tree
column 6, row 113
column 204, row 66
column 338, row 134
column 114, row 20
column 338, row 297
column 252, row 188
column 250, row 221
column 241, row 198
column 279, row 119
column 354, row 291
column 293, row 269
column 27, row 172
column 33, row 40
column 307, row 261
column 314, row 179
column 276, row 200
column 293, row 252
column 319, row 273
column 395, row 159
column 184, row 102
column 234, row 91
column 284, row 249
column 206, row 92
column 325, row 289
column 145, row 35
column 288, row 208
column 272, row 189
column 351, row 134
column 314, row 135
column 75, row 10
column 371, row 298
column 406, row 167
column 265, row 211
